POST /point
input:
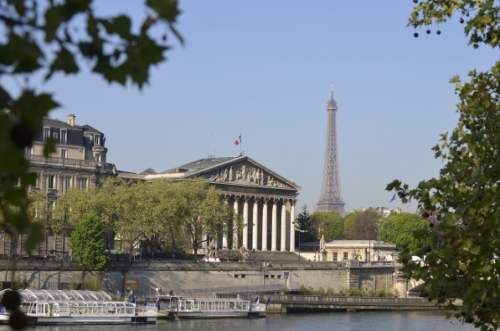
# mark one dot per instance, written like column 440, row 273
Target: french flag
column 158, row 305
column 268, row 303
column 145, row 302
column 238, row 141
column 257, row 300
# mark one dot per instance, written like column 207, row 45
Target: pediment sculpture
column 244, row 173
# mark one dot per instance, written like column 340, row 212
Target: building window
column 88, row 141
column 63, row 153
column 29, row 150
column 97, row 140
column 97, row 158
column 64, row 137
column 51, row 181
column 346, row 256
column 55, row 135
column 335, row 256
column 83, row 183
column 46, row 133
column 67, row 183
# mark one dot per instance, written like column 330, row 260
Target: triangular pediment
column 245, row 171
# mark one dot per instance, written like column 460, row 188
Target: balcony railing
column 65, row 162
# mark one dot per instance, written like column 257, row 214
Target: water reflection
column 361, row 321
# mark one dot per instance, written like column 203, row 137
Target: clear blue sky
column 264, row 68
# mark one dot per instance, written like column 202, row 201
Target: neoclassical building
column 265, row 199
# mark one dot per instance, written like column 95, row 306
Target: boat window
column 231, row 305
column 196, row 304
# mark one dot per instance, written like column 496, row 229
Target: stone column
column 224, row 232
column 264, row 224
column 283, row 227
column 235, row 227
column 292, row 226
column 273, row 225
column 245, row 222
column 43, row 181
column 255, row 223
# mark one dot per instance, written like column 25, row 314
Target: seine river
column 361, row 321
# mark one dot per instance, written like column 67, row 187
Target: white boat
column 49, row 307
column 173, row 306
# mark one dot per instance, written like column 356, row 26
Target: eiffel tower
column 331, row 196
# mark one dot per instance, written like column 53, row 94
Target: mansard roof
column 89, row 128
column 200, row 165
column 55, row 123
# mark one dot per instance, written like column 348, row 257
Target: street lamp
column 297, row 229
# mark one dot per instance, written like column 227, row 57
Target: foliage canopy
column 87, row 245
column 162, row 215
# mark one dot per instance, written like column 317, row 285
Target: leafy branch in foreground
column 47, row 37
column 465, row 199
column 461, row 259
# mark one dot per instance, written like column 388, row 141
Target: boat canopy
column 61, row 295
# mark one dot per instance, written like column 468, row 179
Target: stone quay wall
column 186, row 275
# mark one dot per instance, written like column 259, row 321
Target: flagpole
column 240, row 143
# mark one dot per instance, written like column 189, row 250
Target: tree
column 364, row 226
column 398, row 228
column 464, row 197
column 201, row 210
column 87, row 245
column 303, row 223
column 348, row 222
column 47, row 37
column 330, row 224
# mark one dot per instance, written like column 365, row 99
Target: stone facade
column 79, row 160
column 195, row 276
column 350, row 250
column 265, row 199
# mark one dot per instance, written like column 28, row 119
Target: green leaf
column 166, row 9
column 65, row 62
column 36, row 235
column 49, row 147
column 23, row 54
column 16, row 195
column 32, row 107
column 118, row 74
column 53, row 20
column 119, row 25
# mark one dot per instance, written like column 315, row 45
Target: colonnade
column 267, row 223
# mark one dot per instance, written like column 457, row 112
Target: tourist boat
column 172, row 306
column 49, row 307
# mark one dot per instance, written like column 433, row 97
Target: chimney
column 71, row 119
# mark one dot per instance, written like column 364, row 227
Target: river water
column 360, row 321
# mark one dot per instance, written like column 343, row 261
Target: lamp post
column 297, row 229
